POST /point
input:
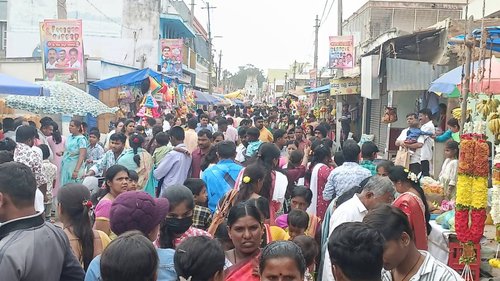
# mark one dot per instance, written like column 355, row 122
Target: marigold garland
column 472, row 192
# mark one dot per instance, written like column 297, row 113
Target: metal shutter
column 377, row 128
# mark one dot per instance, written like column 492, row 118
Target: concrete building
column 372, row 25
column 3, row 27
column 491, row 9
column 119, row 32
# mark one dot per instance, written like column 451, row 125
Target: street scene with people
column 210, row 140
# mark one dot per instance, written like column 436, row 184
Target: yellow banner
column 345, row 86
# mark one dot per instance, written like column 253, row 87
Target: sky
column 271, row 33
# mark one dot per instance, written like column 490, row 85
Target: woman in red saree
column 245, row 230
column 412, row 202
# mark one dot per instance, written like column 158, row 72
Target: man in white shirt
column 402, row 259
column 51, row 59
column 424, row 116
column 414, row 148
column 73, row 58
column 377, row 191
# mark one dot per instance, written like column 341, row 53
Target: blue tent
column 13, row 86
column 493, row 40
column 204, row 98
column 131, row 78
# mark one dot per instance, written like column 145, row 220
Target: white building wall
column 476, row 8
column 121, row 31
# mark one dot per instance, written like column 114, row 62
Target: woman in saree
column 245, row 230
column 412, row 202
column 72, row 165
column 138, row 159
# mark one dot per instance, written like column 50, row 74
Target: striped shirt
column 430, row 270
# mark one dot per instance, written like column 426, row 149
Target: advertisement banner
column 312, row 78
column 170, row 63
column 341, row 52
column 345, row 86
column 62, row 50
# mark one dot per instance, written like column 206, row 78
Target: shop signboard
column 341, row 54
column 345, row 86
column 62, row 50
column 170, row 62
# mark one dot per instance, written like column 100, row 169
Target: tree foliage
column 238, row 79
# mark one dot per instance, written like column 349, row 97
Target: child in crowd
column 450, row 167
column 301, row 197
column 222, row 236
column 253, row 142
column 298, row 221
column 383, row 167
column 164, row 147
column 201, row 214
column 95, row 151
column 310, row 251
column 338, row 158
column 413, row 134
column 131, row 256
column 49, row 170
column 369, row 152
column 199, row 258
column 133, row 178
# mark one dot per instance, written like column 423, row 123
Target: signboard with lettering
column 345, row 86
column 341, row 54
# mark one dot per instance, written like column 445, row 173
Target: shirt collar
column 224, row 161
column 426, row 266
column 181, row 145
column 357, row 202
column 21, row 218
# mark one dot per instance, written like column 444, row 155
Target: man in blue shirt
column 221, row 177
column 204, row 124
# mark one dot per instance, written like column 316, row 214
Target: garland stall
column 472, row 195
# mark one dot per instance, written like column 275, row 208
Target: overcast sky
column 271, row 33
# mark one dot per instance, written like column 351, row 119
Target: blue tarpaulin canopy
column 126, row 79
column 493, row 40
column 322, row 89
column 13, row 86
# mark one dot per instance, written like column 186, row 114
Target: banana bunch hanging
column 486, row 107
column 457, row 113
column 494, row 123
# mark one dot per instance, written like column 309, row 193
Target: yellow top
column 266, row 135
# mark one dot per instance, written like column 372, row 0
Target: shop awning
column 13, row 86
column 177, row 23
column 322, row 89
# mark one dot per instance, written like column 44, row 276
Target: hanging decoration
column 495, row 204
column 472, row 192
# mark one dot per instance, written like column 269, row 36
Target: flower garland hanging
column 472, row 195
column 495, row 204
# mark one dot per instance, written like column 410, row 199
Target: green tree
column 239, row 78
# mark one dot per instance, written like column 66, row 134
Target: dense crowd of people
column 251, row 193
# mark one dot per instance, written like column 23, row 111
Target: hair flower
column 87, row 203
column 135, row 140
column 246, row 179
column 412, row 177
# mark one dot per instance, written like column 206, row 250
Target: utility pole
column 316, row 30
column 338, row 106
column 220, row 68
column 210, row 56
column 294, row 72
column 62, row 12
column 191, row 19
column 285, row 87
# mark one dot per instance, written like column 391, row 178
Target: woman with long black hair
column 412, row 202
column 275, row 182
column 317, row 176
column 73, row 208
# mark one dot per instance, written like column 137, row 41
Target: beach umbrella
column 63, row 99
column 450, row 83
column 203, row 98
